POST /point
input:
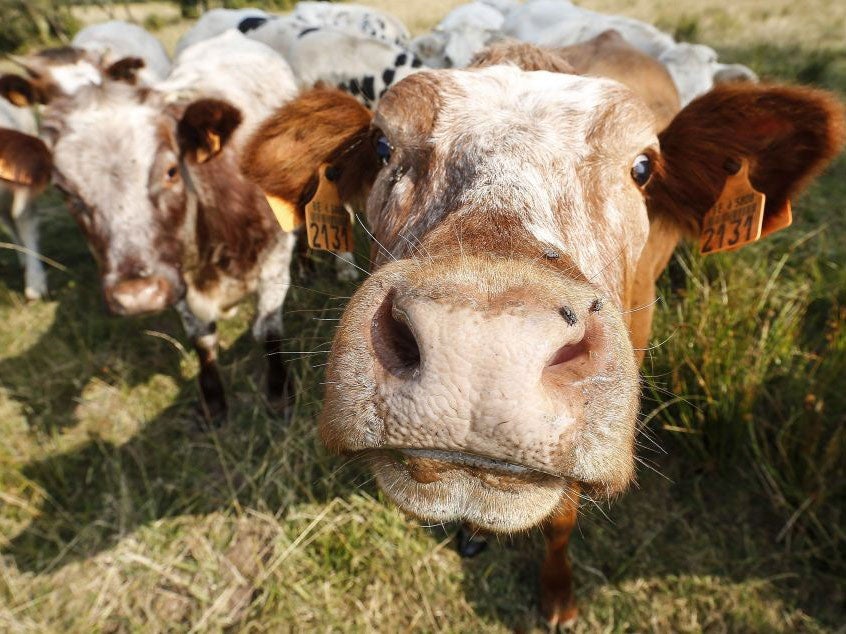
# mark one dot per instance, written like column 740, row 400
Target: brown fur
column 284, row 154
column 205, row 127
column 20, row 92
column 522, row 55
column 24, row 160
column 558, row 604
column 787, row 134
column 125, row 69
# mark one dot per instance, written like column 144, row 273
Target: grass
column 117, row 514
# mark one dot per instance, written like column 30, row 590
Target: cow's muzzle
column 476, row 378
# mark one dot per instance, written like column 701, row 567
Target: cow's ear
column 20, row 91
column 24, row 159
column 321, row 126
column 205, row 127
column 786, row 134
column 125, row 69
column 728, row 73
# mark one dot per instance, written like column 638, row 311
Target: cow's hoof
column 34, row 294
column 468, row 543
column 559, row 614
column 211, row 415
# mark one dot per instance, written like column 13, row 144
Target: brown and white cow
column 488, row 369
column 152, row 178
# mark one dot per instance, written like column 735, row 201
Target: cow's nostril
column 568, row 353
column 393, row 342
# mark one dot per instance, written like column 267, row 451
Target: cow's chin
column 440, row 487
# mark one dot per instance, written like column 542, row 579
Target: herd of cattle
column 526, row 171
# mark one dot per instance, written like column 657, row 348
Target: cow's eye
column 172, row 172
column 384, row 149
column 641, row 169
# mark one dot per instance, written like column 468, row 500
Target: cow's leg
column 469, row 541
column 25, row 231
column 345, row 268
column 556, row 579
column 203, row 336
column 274, row 282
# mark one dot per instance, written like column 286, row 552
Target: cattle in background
column 694, row 67
column 462, row 33
column 112, row 50
column 217, row 21
column 21, row 180
column 117, row 42
column 280, row 32
column 151, row 177
column 488, row 368
column 364, row 67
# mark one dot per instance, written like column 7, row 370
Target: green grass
column 118, row 514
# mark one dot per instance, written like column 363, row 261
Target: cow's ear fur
column 125, row 69
column 24, row 160
column 787, row 134
column 522, row 55
column 20, row 91
column 320, row 126
column 205, row 127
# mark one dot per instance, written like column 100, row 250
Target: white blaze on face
column 71, row 77
column 555, row 151
column 104, row 154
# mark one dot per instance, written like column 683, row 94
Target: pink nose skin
column 137, row 296
column 509, row 382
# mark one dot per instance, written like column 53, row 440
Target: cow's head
column 486, row 364
column 128, row 163
column 58, row 72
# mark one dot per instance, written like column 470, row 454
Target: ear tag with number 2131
column 328, row 223
column 737, row 218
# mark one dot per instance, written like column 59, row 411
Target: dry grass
column 116, row 514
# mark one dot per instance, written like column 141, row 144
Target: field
column 118, row 514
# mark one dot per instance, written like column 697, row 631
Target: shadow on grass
column 99, row 491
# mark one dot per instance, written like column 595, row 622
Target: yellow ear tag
column 17, row 99
column 736, row 218
column 328, row 223
column 286, row 213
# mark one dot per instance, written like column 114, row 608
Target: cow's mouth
column 441, row 486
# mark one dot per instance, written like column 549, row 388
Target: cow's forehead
column 105, row 149
column 505, row 99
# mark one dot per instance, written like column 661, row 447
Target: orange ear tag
column 328, row 223
column 286, row 213
column 736, row 218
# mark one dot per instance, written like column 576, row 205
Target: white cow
column 213, row 23
column 117, row 40
column 353, row 18
column 693, row 67
column 462, row 33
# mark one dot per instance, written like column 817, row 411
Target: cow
column 462, row 33
column 694, row 67
column 363, row 66
column 488, row 368
column 279, row 32
column 115, row 43
column 217, row 21
column 113, row 50
column 151, row 177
